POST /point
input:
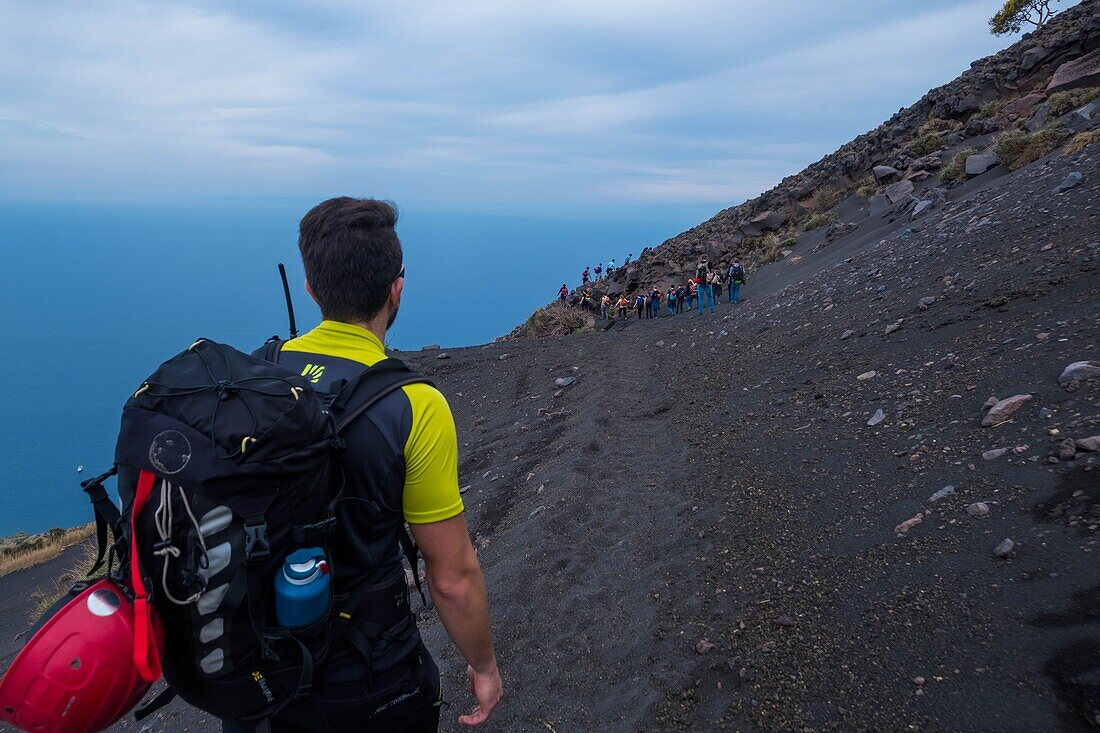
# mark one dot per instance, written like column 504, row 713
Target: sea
column 93, row 296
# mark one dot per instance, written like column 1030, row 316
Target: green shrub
column 990, row 108
column 1067, row 101
column 820, row 218
column 788, row 243
column 1010, row 144
column 927, row 143
column 955, row 169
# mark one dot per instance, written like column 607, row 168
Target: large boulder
column 878, row 205
column 769, row 220
column 1031, row 57
column 886, row 173
column 749, row 229
column 898, row 191
column 980, row 163
column 1082, row 72
column 1023, row 106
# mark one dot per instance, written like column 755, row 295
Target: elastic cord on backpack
column 164, row 549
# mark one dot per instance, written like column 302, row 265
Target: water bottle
column 303, row 589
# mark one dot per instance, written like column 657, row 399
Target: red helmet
column 77, row 672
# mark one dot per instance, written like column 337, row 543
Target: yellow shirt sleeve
column 431, row 459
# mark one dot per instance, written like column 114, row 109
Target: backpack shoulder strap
column 368, row 387
column 270, row 350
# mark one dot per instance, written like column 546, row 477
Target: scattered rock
column 878, row 205
column 704, row 646
column 929, row 162
column 991, row 455
column 1079, row 371
column 990, row 402
column 839, row 229
column 1046, row 413
column 443, row 355
column 978, row 509
column 1070, row 181
column 920, row 208
column 660, row 343
column 926, row 303
column 878, row 417
column 847, row 335
column 769, row 220
column 899, row 191
column 1005, row 548
column 943, row 493
column 867, row 375
column 785, row 621
column 893, row 327
column 979, row 163
column 908, row 524
column 1000, row 411
column 1091, row 444
column 502, row 357
column 564, row 381
column 1067, row 449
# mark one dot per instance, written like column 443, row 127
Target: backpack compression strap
column 146, row 654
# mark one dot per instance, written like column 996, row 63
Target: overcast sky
column 504, row 105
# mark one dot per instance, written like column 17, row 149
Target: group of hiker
column 704, row 289
column 599, row 272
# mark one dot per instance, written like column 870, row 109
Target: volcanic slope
column 702, row 532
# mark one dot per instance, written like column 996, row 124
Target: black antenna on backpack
column 289, row 303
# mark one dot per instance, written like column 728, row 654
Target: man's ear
column 310, row 291
column 396, row 290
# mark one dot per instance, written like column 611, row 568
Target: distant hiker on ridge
column 584, row 277
column 563, row 293
column 599, row 272
column 627, row 260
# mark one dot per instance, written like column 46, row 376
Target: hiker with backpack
column 639, row 304
column 671, row 300
column 584, row 277
column 624, row 306
column 735, row 278
column 681, row 299
column 704, row 278
column 655, row 301
column 599, row 272
column 605, row 307
column 351, row 255
column 692, row 293
column 563, row 293
column 258, row 554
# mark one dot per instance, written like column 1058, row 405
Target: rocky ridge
column 1047, row 81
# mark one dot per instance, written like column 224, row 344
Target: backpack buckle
column 256, row 544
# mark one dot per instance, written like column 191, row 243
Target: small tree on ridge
column 1011, row 17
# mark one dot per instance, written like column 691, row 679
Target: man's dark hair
column 351, row 256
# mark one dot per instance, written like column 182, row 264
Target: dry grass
column 937, row 125
column 819, row 219
column 43, row 599
column 1017, row 149
column 867, row 187
column 827, row 198
column 555, row 319
column 1082, row 140
column 927, row 143
column 955, row 170
column 1067, row 101
column 49, row 546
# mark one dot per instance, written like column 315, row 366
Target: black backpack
column 226, row 464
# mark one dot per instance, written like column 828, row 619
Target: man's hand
column 487, row 689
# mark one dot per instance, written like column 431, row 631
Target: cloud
column 483, row 103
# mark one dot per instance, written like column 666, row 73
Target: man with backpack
column 584, row 277
column 400, row 465
column 599, row 272
column 563, row 293
column 735, row 278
